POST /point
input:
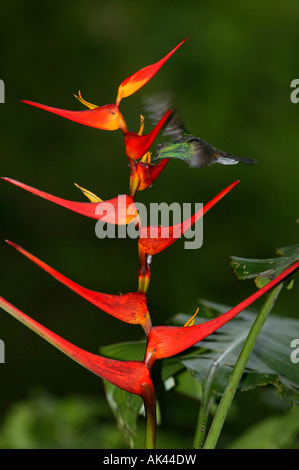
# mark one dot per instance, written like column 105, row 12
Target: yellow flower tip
column 134, row 184
column 141, row 125
column 91, row 196
column 83, row 101
column 143, row 283
column 146, row 157
column 191, row 320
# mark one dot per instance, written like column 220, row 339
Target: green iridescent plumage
column 197, row 152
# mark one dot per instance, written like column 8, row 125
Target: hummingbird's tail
column 228, row 159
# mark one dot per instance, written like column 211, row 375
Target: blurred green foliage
column 231, row 83
column 43, row 422
column 276, row 432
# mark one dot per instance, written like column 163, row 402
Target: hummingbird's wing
column 156, row 106
column 201, row 154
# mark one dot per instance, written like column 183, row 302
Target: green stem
column 204, row 409
column 238, row 370
column 151, row 421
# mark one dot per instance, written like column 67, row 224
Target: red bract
column 147, row 173
column 120, row 210
column 137, row 145
column 140, row 78
column 143, row 175
column 129, row 308
column 132, row 376
column 167, row 341
column 154, row 239
column 107, row 117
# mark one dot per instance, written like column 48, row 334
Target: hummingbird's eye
column 159, row 147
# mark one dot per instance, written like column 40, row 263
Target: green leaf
column 128, row 351
column 124, row 406
column 188, row 386
column 265, row 269
column 269, row 363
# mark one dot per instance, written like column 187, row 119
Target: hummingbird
column 197, row 152
column 184, row 145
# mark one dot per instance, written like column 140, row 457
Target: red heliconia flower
column 154, row 239
column 137, row 145
column 167, row 341
column 129, row 308
column 143, row 174
column 140, row 78
column 148, row 172
column 109, row 117
column 132, row 376
column 120, row 210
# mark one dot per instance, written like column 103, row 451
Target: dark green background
column 231, row 83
